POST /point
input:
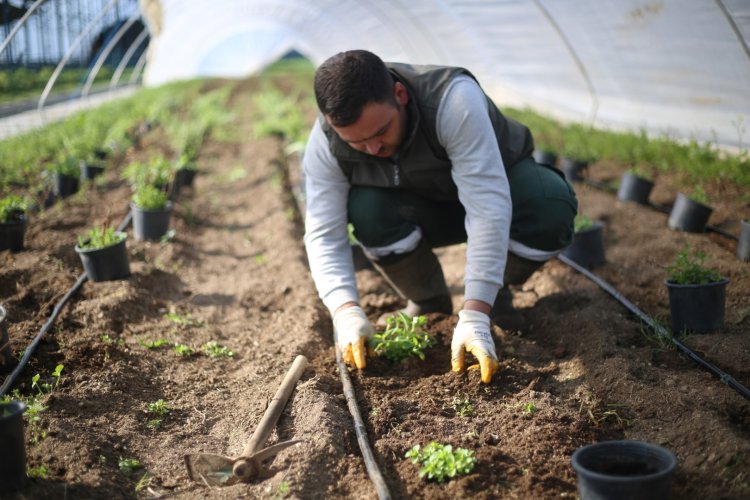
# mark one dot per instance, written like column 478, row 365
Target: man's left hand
column 472, row 334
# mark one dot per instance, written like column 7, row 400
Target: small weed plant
column 213, row 350
column 10, row 205
column 159, row 409
column 150, row 197
column 47, row 387
column 699, row 195
column 99, row 237
column 689, row 268
column 463, row 407
column 154, row 344
column 40, row 471
column 128, row 465
column 530, row 408
column 440, row 463
column 183, row 350
column 582, row 223
column 183, row 319
column 404, row 337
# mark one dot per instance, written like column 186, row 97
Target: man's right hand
column 352, row 330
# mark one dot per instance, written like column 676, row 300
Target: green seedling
column 440, row 463
column 214, row 350
column 403, row 337
column 67, row 166
column 463, row 407
column 11, row 205
column 689, row 269
column 699, row 195
column 128, row 465
column 160, row 409
column 640, row 173
column 99, row 237
column 260, row 259
column 582, row 223
column 183, row 319
column 183, row 350
column 46, row 387
column 154, row 344
column 530, row 408
column 149, row 197
column 143, row 482
column 40, row 471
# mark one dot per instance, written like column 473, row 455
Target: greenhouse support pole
column 138, row 68
column 126, row 58
column 105, row 53
column 69, row 53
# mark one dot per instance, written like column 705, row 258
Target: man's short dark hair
column 348, row 81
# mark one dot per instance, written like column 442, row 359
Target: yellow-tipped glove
column 472, row 334
column 352, row 330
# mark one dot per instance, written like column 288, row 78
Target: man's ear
column 400, row 93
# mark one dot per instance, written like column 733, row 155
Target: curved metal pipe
column 126, row 58
column 105, row 53
column 69, row 53
column 20, row 23
column 138, row 68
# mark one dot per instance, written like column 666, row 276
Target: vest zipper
column 396, row 176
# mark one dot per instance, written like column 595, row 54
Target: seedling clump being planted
column 440, row 463
column 582, row 223
column 404, row 337
column 688, row 269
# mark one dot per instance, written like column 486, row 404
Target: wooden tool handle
column 272, row 414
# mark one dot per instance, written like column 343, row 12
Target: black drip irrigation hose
column 665, row 209
column 660, row 330
column 45, row 328
column 359, row 427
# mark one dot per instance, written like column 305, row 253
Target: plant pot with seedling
column 619, row 470
column 545, row 157
column 743, row 245
column 697, row 294
column 185, row 170
column 90, row 169
column 573, row 168
column 690, row 213
column 635, row 186
column 104, row 254
column 7, row 361
column 12, row 222
column 66, row 173
column 158, row 173
column 587, row 247
column 12, row 444
column 151, row 210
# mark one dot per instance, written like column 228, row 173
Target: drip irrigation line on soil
column 660, row 330
column 48, row 324
column 665, row 209
column 359, row 428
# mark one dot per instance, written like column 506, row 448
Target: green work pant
column 544, row 206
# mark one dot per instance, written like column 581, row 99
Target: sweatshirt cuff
column 338, row 297
column 481, row 290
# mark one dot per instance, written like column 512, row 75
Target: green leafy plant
column 463, row 407
column 99, row 237
column 149, row 197
column 154, row 344
column 440, row 462
column 159, row 409
column 214, row 350
column 128, row 465
column 582, row 223
column 40, row 471
column 10, row 205
column 688, row 269
column 530, row 408
column 67, row 166
column 183, row 350
column 639, row 172
column 46, row 387
column 403, row 337
column 699, row 195
column 183, row 319
column 185, row 162
column 158, row 172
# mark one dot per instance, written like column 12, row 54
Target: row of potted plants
column 689, row 281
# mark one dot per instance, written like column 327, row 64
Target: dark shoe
column 441, row 303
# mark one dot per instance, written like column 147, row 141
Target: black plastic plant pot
column 100, row 154
column 7, row 361
column 697, row 308
column 624, row 470
column 573, row 169
column 108, row 263
column 150, row 225
column 545, row 157
column 65, row 185
column 743, row 246
column 689, row 215
column 634, row 188
column 587, row 248
column 184, row 177
column 89, row 171
column 12, row 232
column 12, row 444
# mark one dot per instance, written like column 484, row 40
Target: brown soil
column 237, row 267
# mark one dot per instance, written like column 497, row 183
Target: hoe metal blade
column 213, row 470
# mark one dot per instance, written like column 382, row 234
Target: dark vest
column 422, row 164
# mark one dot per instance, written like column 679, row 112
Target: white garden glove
column 472, row 334
column 352, row 329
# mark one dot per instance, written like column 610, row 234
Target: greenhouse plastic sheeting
column 674, row 67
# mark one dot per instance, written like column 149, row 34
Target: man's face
column 380, row 128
